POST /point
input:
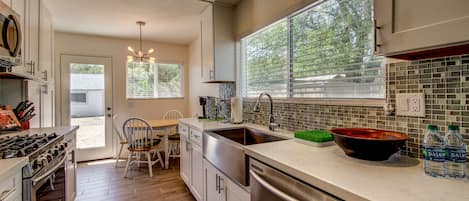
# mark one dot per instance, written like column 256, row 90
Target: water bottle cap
column 432, row 127
column 453, row 128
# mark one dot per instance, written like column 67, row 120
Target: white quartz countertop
column 328, row 168
column 6, row 165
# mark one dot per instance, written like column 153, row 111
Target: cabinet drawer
column 184, row 130
column 196, row 137
column 10, row 187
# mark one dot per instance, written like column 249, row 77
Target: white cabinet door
column 409, row 26
column 71, row 168
column 235, row 192
column 207, row 44
column 212, row 183
column 33, row 94
column 185, row 160
column 197, row 172
column 218, row 44
column 45, row 43
column 31, row 51
column 47, row 106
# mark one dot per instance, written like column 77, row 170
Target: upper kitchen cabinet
column 218, row 44
column 31, row 36
column 403, row 28
column 46, row 46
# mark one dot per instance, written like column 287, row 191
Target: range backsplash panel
column 445, row 82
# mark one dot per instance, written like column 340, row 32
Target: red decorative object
column 25, row 125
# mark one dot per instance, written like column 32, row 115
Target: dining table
column 166, row 126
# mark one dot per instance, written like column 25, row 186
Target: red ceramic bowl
column 368, row 144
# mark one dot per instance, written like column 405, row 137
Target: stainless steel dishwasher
column 268, row 183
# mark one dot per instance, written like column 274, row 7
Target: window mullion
column 155, row 80
column 290, row 57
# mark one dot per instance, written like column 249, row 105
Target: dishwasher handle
column 271, row 188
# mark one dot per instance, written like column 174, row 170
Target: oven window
column 53, row 188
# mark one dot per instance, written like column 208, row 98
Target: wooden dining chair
column 174, row 137
column 140, row 139
column 120, row 135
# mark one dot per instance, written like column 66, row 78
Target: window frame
column 241, row 87
column 183, row 78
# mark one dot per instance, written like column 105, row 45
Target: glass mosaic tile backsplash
column 445, row 82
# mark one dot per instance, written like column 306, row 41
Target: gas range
column 47, row 153
column 41, row 149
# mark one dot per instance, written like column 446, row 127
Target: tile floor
column 100, row 181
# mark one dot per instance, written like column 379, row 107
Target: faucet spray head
column 257, row 107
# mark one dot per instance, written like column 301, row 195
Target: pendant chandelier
column 139, row 56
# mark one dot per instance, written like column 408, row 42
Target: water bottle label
column 434, row 154
column 457, row 155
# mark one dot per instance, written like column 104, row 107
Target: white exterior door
column 86, row 101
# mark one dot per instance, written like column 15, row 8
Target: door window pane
column 87, row 104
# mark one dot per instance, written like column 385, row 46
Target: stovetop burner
column 20, row 146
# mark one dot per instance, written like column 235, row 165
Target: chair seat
column 146, row 147
column 174, row 137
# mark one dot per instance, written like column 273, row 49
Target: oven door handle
column 47, row 174
column 271, row 188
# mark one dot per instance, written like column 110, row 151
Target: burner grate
column 20, row 146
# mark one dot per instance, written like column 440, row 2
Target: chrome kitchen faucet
column 257, row 108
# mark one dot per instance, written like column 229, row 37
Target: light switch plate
column 410, row 104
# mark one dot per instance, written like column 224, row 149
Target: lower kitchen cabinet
column 197, row 164
column 191, row 157
column 218, row 187
column 185, row 158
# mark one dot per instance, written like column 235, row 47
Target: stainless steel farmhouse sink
column 224, row 149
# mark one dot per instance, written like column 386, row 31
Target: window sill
column 322, row 101
column 162, row 98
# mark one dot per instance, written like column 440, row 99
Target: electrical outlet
column 410, row 104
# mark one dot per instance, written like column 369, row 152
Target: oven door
column 49, row 185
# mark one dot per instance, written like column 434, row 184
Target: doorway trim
column 63, row 95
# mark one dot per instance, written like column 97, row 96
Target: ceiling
column 169, row 21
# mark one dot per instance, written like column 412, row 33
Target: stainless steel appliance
column 44, row 176
column 268, row 183
column 10, row 35
column 224, row 149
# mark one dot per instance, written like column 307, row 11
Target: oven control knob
column 54, row 151
column 42, row 160
column 35, row 165
column 49, row 157
column 61, row 147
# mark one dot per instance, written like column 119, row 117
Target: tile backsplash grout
column 445, row 82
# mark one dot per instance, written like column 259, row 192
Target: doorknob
column 108, row 108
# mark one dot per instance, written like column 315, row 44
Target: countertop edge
column 305, row 177
column 9, row 165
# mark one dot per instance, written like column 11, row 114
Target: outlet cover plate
column 410, row 104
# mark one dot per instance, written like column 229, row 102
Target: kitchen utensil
column 368, row 144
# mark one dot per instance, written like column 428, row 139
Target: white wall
column 252, row 15
column 196, row 87
column 75, row 44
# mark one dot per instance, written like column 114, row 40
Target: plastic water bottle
column 455, row 153
column 434, row 152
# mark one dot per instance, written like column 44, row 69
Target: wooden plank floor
column 99, row 180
